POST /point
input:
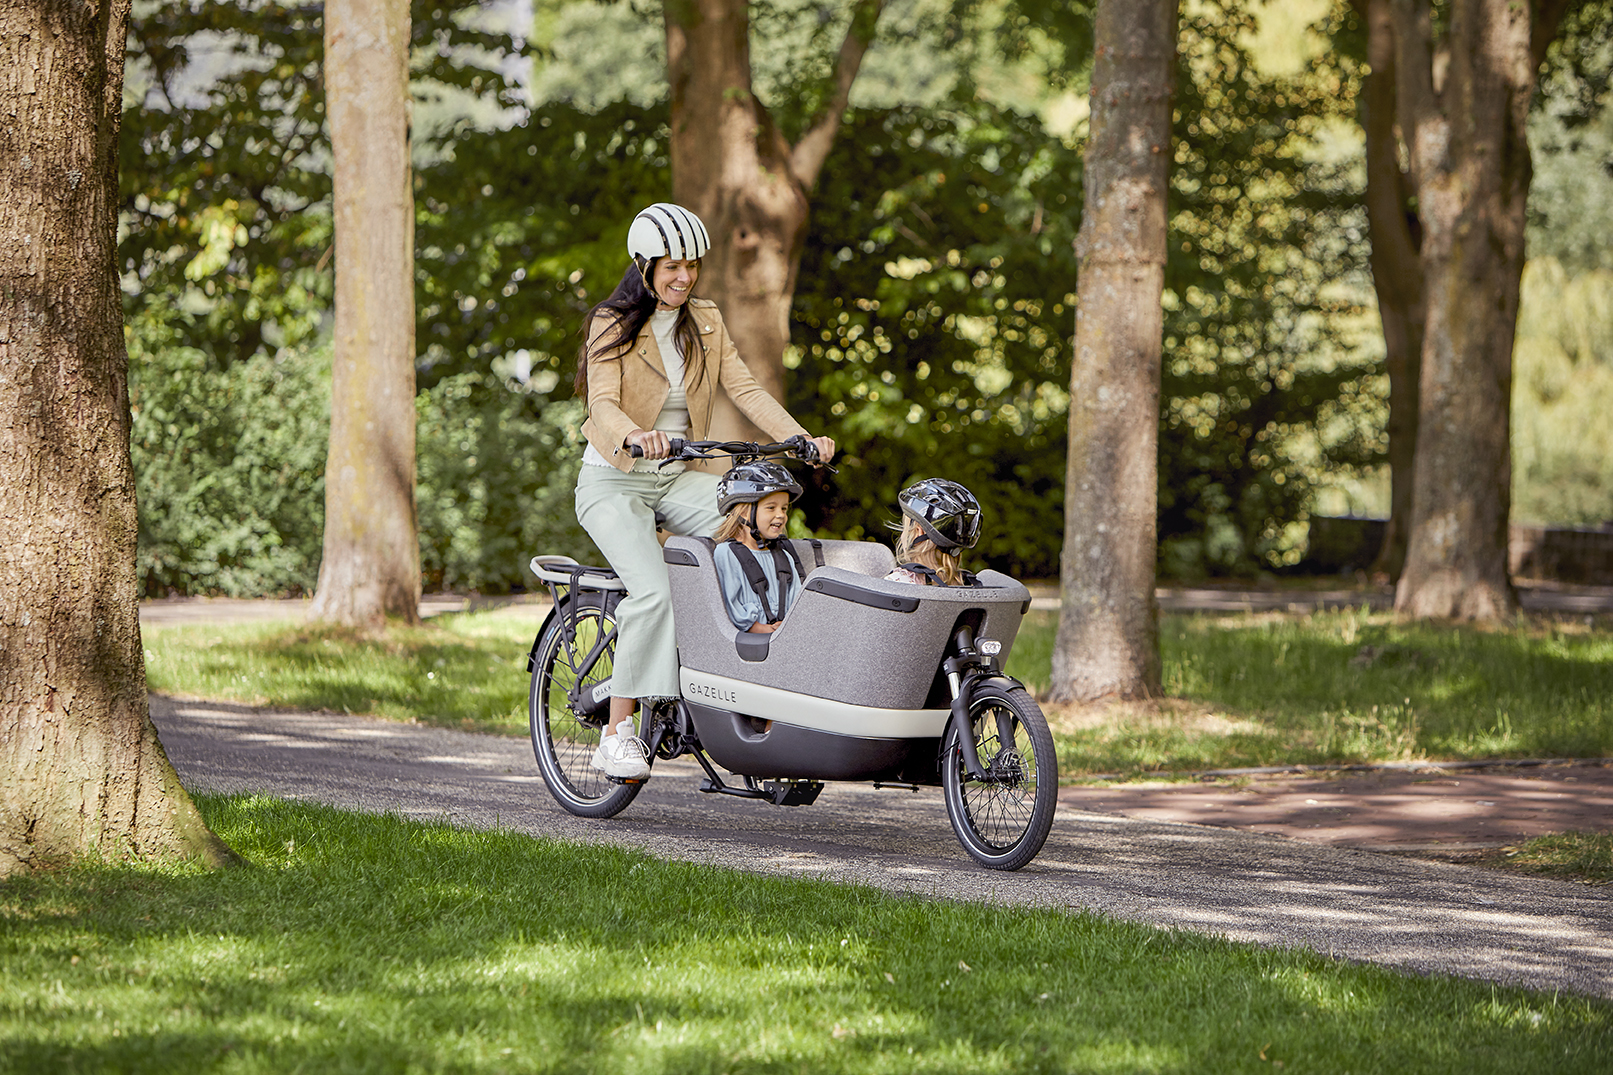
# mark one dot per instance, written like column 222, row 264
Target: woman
column 651, row 369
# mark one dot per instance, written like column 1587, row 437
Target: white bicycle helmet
column 665, row 230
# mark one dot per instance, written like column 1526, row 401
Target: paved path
column 1423, row 809
column 1421, row 916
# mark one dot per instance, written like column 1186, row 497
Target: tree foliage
column 225, row 176
column 930, row 330
column 929, row 325
column 1269, row 380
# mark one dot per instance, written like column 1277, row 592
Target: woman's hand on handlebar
column 826, row 448
column 651, row 444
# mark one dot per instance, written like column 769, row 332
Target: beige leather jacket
column 627, row 388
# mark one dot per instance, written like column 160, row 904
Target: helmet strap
column 756, row 531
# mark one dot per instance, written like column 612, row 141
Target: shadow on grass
column 356, row 943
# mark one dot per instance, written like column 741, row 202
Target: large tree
column 1107, row 643
column 371, row 564
column 733, row 165
column 85, row 772
column 1396, row 271
column 1464, row 85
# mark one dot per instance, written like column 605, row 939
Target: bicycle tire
column 563, row 742
column 1002, row 821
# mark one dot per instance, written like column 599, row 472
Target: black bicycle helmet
column 948, row 513
column 746, row 483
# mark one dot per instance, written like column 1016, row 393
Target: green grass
column 1247, row 690
column 1344, row 687
column 1576, row 856
column 358, row 943
column 464, row 671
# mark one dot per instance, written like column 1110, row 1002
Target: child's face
column 773, row 515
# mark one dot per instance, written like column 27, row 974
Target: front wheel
column 564, row 742
column 1003, row 820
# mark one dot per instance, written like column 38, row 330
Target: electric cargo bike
column 866, row 680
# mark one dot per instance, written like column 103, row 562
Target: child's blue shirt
column 743, row 603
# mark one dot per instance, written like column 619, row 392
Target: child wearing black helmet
column 759, row 573
column 940, row 519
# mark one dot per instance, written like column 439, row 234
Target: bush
column 1562, row 446
column 230, row 475
column 496, row 474
column 229, row 470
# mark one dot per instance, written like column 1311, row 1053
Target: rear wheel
column 563, row 741
column 1003, row 820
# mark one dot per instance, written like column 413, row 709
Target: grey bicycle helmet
column 947, row 513
column 746, row 483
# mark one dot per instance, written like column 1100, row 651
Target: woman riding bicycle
column 654, row 360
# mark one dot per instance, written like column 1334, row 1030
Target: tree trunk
column 1396, row 275
column 371, row 564
column 733, row 167
column 1470, row 158
column 85, row 773
column 1108, row 635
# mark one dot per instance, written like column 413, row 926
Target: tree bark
column 1108, row 636
column 1469, row 152
column 733, row 167
column 1396, row 275
column 85, row 772
column 371, row 564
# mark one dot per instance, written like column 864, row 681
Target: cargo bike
column 866, row 680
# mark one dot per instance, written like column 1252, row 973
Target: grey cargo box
column 851, row 636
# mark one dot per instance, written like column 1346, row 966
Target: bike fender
column 532, row 654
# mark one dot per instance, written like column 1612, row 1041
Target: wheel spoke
column 1000, row 809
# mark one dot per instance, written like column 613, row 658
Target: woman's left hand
column 826, row 448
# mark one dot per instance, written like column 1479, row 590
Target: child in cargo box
column 940, row 519
column 759, row 572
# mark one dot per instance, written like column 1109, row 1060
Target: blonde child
column 759, row 572
column 940, row 519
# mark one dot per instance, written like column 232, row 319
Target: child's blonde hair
column 733, row 524
column 913, row 547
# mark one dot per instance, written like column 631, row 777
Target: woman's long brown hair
column 629, row 307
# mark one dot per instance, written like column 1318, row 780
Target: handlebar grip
column 675, row 448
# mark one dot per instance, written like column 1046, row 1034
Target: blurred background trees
column 931, row 322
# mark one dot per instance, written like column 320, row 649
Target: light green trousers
column 620, row 512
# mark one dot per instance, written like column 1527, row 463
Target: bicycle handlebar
column 798, row 446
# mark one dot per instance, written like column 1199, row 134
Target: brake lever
column 807, row 452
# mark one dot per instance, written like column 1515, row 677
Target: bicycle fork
column 965, row 671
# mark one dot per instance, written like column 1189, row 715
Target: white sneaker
column 626, row 727
column 623, row 756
